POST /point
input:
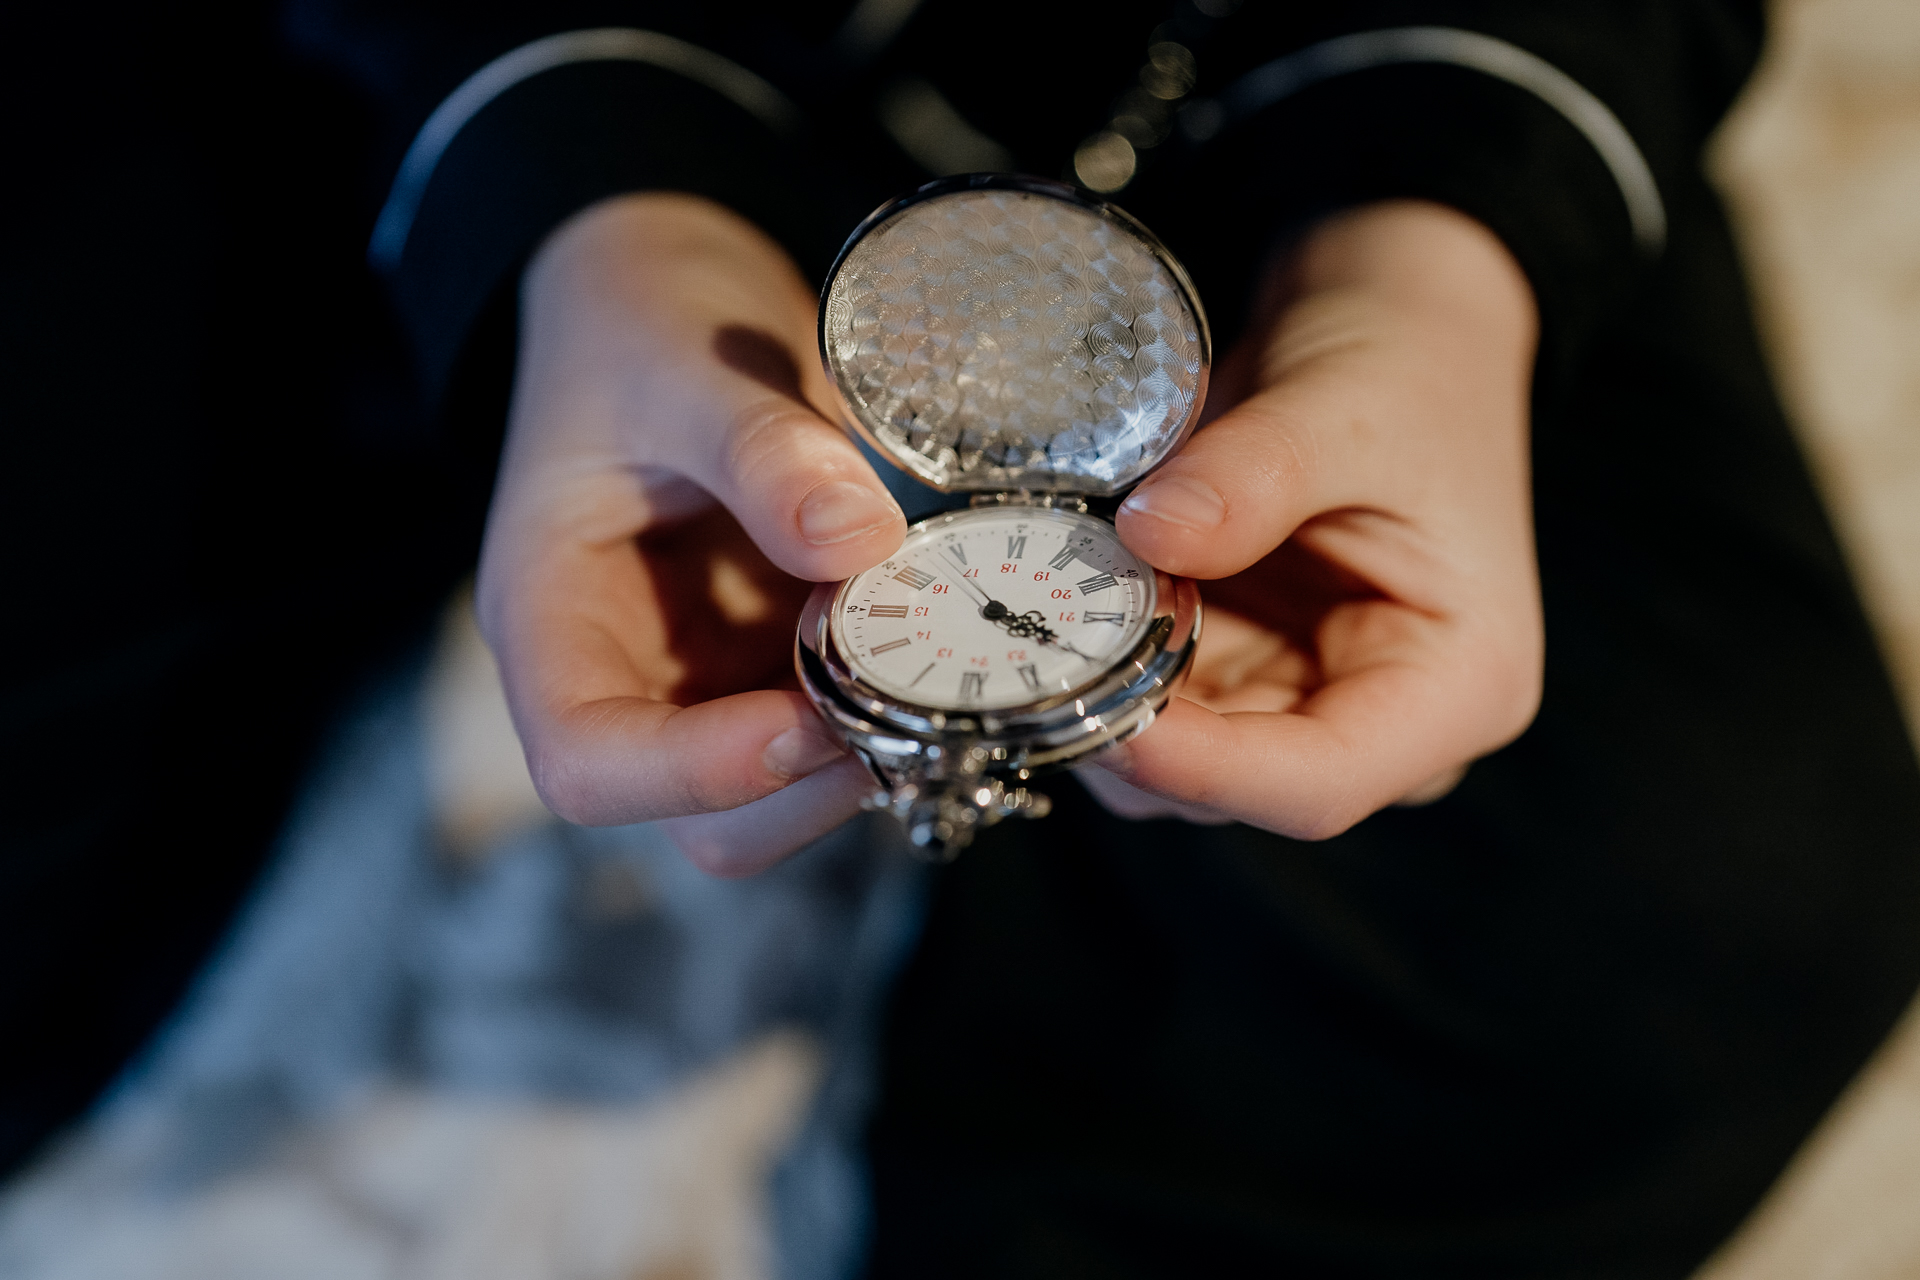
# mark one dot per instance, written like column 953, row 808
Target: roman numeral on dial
column 915, row 578
column 971, row 683
column 1016, row 547
column 959, row 552
column 890, row 645
column 887, row 611
column 1031, row 674
column 1099, row 582
column 1094, row 615
column 1064, row 559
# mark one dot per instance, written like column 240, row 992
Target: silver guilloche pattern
column 1008, row 340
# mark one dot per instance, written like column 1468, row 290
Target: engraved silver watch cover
column 1017, row 339
column 991, row 333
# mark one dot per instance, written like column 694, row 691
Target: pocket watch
column 1019, row 341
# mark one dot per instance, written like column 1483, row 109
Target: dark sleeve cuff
column 1440, row 132
column 555, row 143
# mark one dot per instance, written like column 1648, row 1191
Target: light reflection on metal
column 1170, row 71
column 1003, row 334
column 1105, row 162
column 1142, row 116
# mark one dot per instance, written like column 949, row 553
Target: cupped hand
column 1363, row 509
column 667, row 492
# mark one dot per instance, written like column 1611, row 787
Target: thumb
column 1244, row 483
column 667, row 338
column 1399, row 340
column 797, row 485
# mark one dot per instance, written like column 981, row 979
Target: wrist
column 1400, row 269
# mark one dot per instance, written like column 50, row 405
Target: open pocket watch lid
column 992, row 333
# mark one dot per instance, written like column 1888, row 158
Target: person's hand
column 667, row 493
column 1363, row 506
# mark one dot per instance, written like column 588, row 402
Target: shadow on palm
column 725, row 614
column 1264, row 644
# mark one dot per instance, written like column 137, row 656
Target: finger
column 1244, row 484
column 1424, row 700
column 610, row 761
column 665, row 335
column 1434, row 789
column 793, row 479
column 1293, row 774
column 799, row 487
column 1124, row 800
column 743, row 841
column 1397, row 343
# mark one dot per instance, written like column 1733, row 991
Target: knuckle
column 1325, row 825
column 1523, row 705
column 1332, row 808
column 1515, row 685
column 761, row 438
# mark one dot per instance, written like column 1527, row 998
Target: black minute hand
column 1031, row 625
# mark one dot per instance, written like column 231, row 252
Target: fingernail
column 841, row 509
column 1182, row 500
column 799, row 752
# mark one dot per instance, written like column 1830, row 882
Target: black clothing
column 220, row 504
column 1569, row 1021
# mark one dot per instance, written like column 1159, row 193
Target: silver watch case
column 1153, row 290
column 947, row 774
column 901, row 739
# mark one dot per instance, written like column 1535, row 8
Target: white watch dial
column 995, row 608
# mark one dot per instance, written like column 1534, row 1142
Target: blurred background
column 453, row 1037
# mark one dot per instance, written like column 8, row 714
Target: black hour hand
column 1031, row 625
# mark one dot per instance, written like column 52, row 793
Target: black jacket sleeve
column 512, row 124
column 1565, row 128
column 1561, row 127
